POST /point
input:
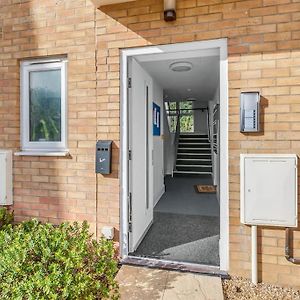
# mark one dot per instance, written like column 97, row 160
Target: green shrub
column 41, row 261
column 6, row 217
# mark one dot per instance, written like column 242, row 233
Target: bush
column 40, row 261
column 6, row 217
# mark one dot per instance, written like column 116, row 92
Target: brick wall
column 51, row 189
column 264, row 54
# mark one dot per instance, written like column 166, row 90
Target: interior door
column 141, row 145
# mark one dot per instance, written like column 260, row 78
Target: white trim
column 42, row 65
column 220, row 44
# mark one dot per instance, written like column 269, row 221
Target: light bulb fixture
column 170, row 10
column 181, row 66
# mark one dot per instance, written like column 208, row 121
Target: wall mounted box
column 269, row 189
column 103, row 157
column 6, row 182
column 249, row 112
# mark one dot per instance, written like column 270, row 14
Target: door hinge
column 129, row 155
column 130, row 212
column 129, row 82
column 130, row 227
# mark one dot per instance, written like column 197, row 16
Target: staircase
column 193, row 155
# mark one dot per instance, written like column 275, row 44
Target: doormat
column 205, row 188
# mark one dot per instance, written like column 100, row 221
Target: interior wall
column 168, row 140
column 158, row 147
column 215, row 157
column 200, row 117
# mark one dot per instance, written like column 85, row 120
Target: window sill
column 43, row 153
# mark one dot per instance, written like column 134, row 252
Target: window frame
column 42, row 65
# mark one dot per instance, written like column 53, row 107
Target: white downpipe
column 254, row 254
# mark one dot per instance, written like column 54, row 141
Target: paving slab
column 139, row 283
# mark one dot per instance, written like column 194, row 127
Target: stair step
column 191, row 140
column 193, row 166
column 192, row 173
column 195, row 159
column 180, row 143
column 195, row 162
column 193, row 148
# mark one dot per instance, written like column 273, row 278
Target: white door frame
column 221, row 45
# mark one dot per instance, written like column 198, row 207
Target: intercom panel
column 249, row 111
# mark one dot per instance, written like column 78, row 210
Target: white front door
column 140, row 145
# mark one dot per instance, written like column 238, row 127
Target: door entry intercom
column 103, row 157
column 249, row 111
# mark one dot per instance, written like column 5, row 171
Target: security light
column 170, row 10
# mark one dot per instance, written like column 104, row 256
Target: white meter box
column 6, row 194
column 269, row 189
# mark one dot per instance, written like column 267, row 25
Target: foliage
column 45, row 116
column 6, row 217
column 186, row 118
column 41, row 261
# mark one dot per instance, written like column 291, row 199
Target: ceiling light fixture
column 181, row 66
column 169, row 10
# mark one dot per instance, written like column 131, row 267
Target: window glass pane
column 172, row 123
column 187, row 123
column 45, row 106
column 186, row 106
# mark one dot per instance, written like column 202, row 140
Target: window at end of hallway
column 43, row 105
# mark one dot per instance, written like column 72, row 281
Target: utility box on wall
column 6, row 182
column 103, row 157
column 269, row 189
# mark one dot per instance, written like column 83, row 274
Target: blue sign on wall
column 156, row 119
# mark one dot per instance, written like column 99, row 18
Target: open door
column 140, row 147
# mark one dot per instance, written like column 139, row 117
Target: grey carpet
column 181, row 198
column 185, row 238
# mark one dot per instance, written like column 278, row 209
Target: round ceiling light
column 181, row 66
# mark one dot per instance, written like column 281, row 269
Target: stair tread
column 195, row 159
column 194, row 166
column 201, row 154
column 191, row 172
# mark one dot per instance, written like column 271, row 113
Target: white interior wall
column 158, row 147
column 215, row 158
column 168, row 140
column 200, row 117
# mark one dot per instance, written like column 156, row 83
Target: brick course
column 264, row 54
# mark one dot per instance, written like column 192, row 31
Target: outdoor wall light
column 170, row 10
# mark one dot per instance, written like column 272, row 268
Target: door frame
column 221, row 45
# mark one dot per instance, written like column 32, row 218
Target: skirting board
column 159, row 195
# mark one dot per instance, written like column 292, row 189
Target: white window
column 43, row 105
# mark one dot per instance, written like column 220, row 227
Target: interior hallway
column 186, row 224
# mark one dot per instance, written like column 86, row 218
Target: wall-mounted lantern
column 170, row 10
